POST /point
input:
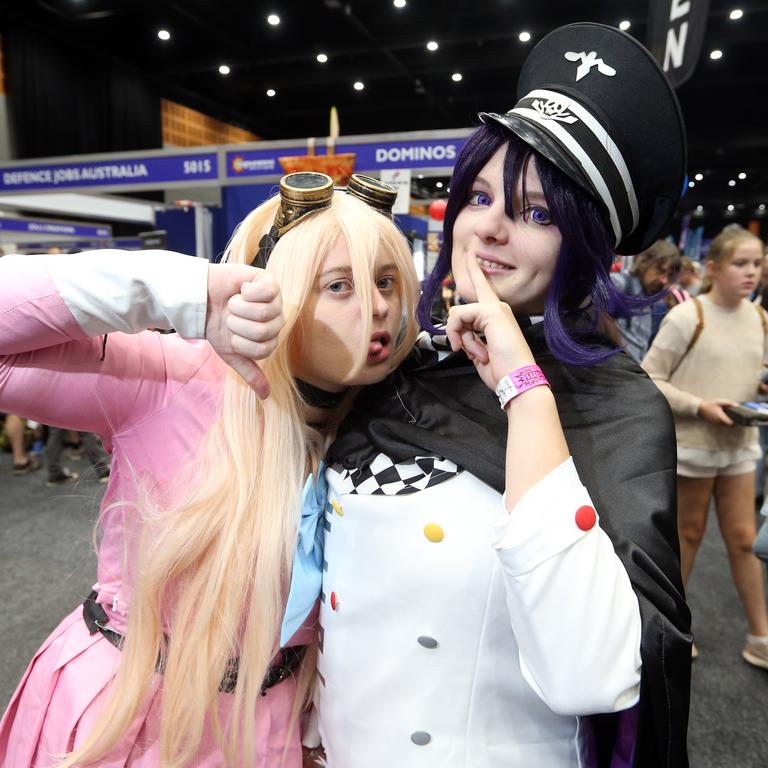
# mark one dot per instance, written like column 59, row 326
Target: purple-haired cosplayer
column 502, row 585
column 586, row 252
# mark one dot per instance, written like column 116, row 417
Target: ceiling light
column 735, row 14
column 421, row 175
column 224, row 69
column 432, row 45
column 699, row 207
column 273, row 19
column 456, row 77
column 624, row 25
column 398, row 3
column 439, row 184
column 716, row 54
column 742, row 175
column 322, row 58
column 163, row 34
column 359, row 85
column 524, row 37
column 691, row 184
column 699, row 176
column 732, row 183
column 761, row 207
column 731, row 207
column 271, row 92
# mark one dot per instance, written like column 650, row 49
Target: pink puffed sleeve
column 54, row 312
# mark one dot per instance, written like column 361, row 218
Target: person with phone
column 706, row 359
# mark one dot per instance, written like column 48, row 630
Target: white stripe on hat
column 605, row 140
column 557, row 130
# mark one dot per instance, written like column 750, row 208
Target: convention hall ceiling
column 405, row 85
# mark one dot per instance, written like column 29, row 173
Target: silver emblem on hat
column 588, row 61
column 552, row 109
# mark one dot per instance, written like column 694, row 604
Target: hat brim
column 544, row 144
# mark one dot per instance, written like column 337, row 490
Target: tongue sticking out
column 375, row 347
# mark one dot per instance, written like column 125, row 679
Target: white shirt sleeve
column 572, row 607
column 130, row 291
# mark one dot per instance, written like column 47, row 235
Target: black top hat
column 595, row 103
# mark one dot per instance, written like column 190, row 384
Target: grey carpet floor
column 47, row 566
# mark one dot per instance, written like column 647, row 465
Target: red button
column 334, row 602
column 586, row 517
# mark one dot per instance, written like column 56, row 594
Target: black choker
column 319, row 398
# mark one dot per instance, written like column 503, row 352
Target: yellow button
column 337, row 508
column 434, row 532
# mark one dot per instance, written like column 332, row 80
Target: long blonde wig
column 214, row 566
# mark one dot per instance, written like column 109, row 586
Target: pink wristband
column 518, row 381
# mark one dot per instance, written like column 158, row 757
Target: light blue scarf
column 307, row 574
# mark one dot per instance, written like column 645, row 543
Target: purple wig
column 584, row 259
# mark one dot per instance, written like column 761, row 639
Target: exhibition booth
column 207, row 190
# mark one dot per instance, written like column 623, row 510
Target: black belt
column 96, row 620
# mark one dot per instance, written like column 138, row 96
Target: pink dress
column 151, row 399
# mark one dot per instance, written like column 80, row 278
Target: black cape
column 621, row 435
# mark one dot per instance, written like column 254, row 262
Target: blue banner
column 118, row 172
column 54, row 228
column 375, row 156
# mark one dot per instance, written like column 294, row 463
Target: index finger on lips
column 483, row 289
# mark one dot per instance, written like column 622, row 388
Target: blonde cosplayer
column 214, row 567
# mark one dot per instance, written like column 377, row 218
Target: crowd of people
column 35, row 446
column 709, row 355
column 299, row 477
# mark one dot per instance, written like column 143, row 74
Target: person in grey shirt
column 652, row 271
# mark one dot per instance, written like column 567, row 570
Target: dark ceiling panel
column 407, row 87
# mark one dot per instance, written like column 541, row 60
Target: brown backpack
column 700, row 327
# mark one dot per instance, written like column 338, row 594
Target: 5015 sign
column 197, row 167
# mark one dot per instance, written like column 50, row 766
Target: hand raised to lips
column 505, row 348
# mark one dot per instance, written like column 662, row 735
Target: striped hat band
column 577, row 130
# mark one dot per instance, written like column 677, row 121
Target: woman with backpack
column 706, row 357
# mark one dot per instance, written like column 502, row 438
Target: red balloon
column 437, row 209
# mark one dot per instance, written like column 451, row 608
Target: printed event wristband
column 518, row 381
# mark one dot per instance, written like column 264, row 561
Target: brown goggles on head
column 305, row 193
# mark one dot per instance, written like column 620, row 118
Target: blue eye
column 537, row 215
column 339, row 286
column 479, row 198
column 385, row 283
